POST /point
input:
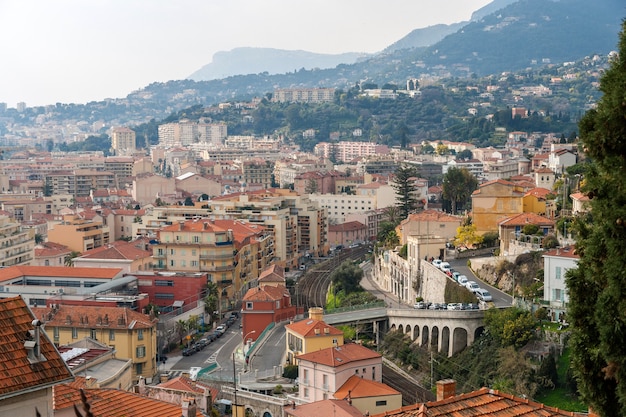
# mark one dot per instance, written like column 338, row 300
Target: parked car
column 454, row 306
column 462, row 280
column 456, row 275
column 444, row 266
column 188, row 351
column 221, row 329
column 472, row 286
column 420, row 305
column 483, row 295
column 437, row 262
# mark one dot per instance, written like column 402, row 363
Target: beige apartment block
column 123, row 140
column 232, row 252
column 17, row 244
column 79, row 234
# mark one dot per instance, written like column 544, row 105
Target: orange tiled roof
column 108, row 402
column 539, row 192
column 51, row 249
column 273, row 273
column 566, row 252
column 183, row 383
column 346, row 227
column 484, row 403
column 18, row 374
column 334, row 408
column 266, row 293
column 340, row 355
column 117, row 250
column 307, row 327
column 57, row 271
column 523, row 219
column 579, row 197
column 433, row 215
column 357, row 387
column 89, row 316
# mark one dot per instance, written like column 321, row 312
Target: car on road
column 221, row 329
column 472, row 286
column 483, row 295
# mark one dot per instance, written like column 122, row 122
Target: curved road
column 500, row 298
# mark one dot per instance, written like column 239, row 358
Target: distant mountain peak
column 248, row 60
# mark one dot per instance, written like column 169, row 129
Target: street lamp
column 235, row 405
column 243, row 339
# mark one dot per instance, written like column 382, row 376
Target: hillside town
column 123, row 270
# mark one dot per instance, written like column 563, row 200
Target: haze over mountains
column 505, row 35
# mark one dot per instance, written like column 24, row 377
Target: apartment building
column 132, row 334
column 122, row 168
column 346, row 151
column 17, row 245
column 341, row 205
column 79, row 234
column 310, row 335
column 303, row 95
column 123, row 140
column 214, row 133
column 257, row 172
column 80, row 182
column 232, row 252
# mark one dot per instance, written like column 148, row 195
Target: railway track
column 312, row 287
column 411, row 392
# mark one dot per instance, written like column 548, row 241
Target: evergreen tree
column 404, row 186
column 597, row 288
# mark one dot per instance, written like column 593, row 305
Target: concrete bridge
column 447, row 331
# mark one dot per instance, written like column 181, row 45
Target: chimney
column 316, row 313
column 188, row 407
column 32, row 345
column 208, row 401
column 446, row 388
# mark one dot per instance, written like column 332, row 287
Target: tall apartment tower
column 123, row 140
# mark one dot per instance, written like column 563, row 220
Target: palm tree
column 69, row 258
column 181, row 329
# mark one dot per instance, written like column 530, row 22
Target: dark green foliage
column 490, row 239
column 455, row 293
column 510, row 327
column 404, row 186
column 397, row 345
column 458, row 186
column 547, row 375
column 550, row 241
column 91, row 144
column 290, row 371
column 597, row 289
column 530, row 229
column 347, row 278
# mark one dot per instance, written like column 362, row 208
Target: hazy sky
column 75, row 51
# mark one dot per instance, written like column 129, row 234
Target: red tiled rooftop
column 357, row 387
column 266, row 293
column 19, row 375
column 106, row 402
column 339, row 355
column 307, row 327
column 523, row 219
column 482, row 403
column 334, row 408
column 90, row 316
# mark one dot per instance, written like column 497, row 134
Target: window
column 164, row 283
column 55, row 332
column 183, row 263
column 380, row 403
column 249, row 305
column 193, row 263
column 193, row 252
column 74, row 333
column 93, row 334
column 306, row 393
column 111, row 334
column 140, row 334
column 140, row 352
column 139, row 368
column 196, row 239
column 47, row 262
column 278, row 304
column 164, row 296
column 171, row 251
column 172, row 263
column 373, row 373
column 557, row 272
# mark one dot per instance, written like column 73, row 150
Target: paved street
column 271, row 351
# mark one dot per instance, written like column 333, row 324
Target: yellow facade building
column 495, row 201
column 310, row 335
column 133, row 335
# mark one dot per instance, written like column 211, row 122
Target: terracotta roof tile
column 357, row 387
column 19, row 375
column 266, row 293
column 484, row 403
column 57, row 271
column 117, row 250
column 307, row 327
column 273, row 273
column 183, row 383
column 334, row 408
column 346, row 227
column 523, row 219
column 107, row 402
column 90, row 316
column 340, row 355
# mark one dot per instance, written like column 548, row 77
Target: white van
column 483, row 295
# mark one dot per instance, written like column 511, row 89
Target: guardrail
column 366, row 306
column 259, row 339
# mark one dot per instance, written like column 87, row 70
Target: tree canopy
column 458, row 186
column 597, row 289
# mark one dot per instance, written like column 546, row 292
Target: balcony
column 216, row 256
column 216, row 268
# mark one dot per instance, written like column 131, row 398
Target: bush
column 290, row 371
